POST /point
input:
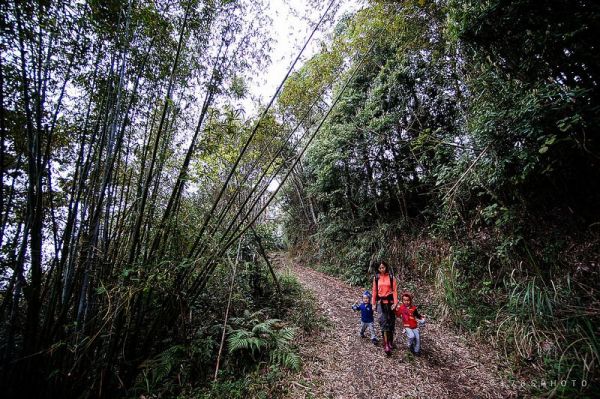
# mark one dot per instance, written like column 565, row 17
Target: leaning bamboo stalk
column 183, row 170
column 2, row 144
column 33, row 216
column 263, row 253
column 462, row 177
column 237, row 258
column 144, row 197
column 252, row 134
column 200, row 283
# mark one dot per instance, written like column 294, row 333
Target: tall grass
column 447, row 283
column 543, row 327
column 524, row 322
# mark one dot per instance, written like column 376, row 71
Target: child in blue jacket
column 366, row 316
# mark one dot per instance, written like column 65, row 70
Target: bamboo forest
column 168, row 230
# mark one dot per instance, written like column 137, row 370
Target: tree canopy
column 458, row 139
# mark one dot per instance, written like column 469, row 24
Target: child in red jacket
column 410, row 321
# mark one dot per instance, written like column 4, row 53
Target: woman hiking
column 385, row 300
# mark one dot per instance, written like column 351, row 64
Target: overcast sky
column 292, row 23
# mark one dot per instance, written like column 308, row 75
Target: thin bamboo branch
column 462, row 177
column 237, row 258
column 253, row 133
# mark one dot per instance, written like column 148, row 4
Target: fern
column 265, row 327
column 287, row 334
column 286, row 358
column 243, row 339
column 156, row 370
column 264, row 339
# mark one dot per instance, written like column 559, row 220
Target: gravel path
column 337, row 363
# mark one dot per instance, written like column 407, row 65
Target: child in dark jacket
column 366, row 316
column 411, row 319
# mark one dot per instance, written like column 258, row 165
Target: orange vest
column 408, row 315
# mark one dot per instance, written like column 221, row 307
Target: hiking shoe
column 417, row 354
column 388, row 349
column 374, row 340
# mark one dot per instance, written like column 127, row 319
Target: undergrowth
column 532, row 299
column 259, row 349
column 544, row 325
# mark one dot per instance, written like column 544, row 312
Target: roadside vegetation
column 465, row 152
column 139, row 201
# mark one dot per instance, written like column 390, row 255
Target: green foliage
column 298, row 305
column 226, row 389
column 534, row 102
column 474, row 126
column 178, row 367
column 258, row 339
column 262, row 384
column 546, row 324
column 259, row 348
column 447, row 282
column 155, row 371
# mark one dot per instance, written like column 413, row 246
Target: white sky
column 293, row 20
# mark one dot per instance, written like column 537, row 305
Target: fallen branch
column 300, row 385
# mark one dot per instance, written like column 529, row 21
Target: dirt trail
column 338, row 363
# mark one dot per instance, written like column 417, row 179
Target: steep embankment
column 340, row 364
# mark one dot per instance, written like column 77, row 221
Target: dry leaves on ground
column 337, row 363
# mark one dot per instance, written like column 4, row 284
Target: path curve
column 337, row 363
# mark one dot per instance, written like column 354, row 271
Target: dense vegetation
column 457, row 139
column 132, row 197
column 465, row 150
